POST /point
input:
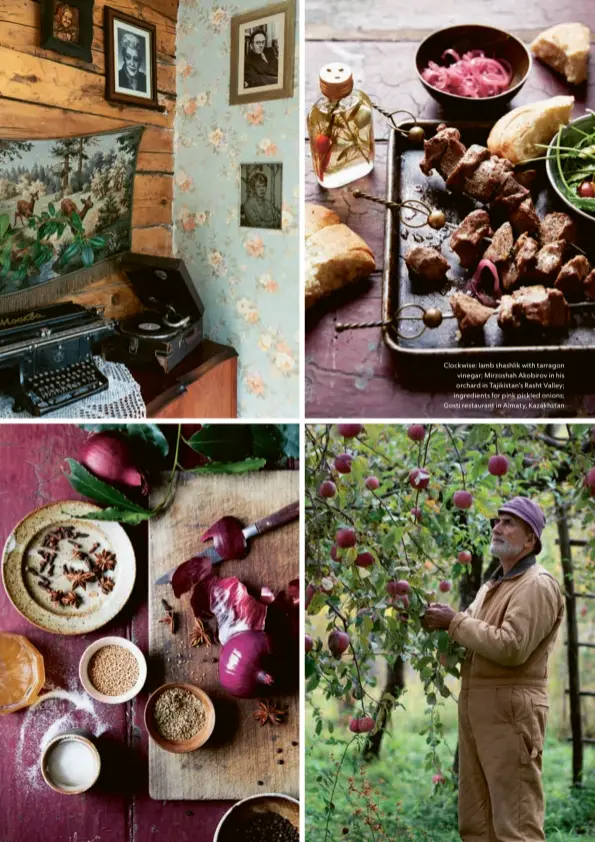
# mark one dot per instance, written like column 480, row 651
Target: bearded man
column 509, row 631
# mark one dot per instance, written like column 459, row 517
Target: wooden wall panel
column 45, row 94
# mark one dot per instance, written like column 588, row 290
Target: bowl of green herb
column 570, row 165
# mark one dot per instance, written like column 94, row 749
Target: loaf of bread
column 517, row 135
column 565, row 47
column 335, row 255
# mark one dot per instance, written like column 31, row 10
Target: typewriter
column 46, row 357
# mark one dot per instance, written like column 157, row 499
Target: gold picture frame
column 262, row 54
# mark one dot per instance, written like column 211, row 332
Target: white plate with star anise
column 65, row 574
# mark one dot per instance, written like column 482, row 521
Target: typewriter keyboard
column 51, row 390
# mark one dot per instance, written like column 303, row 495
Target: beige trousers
column 501, row 732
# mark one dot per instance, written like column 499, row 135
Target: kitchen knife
column 266, row 524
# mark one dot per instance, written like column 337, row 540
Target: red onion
column 489, row 297
column 242, row 664
column 228, row 538
column 109, row 457
column 470, row 75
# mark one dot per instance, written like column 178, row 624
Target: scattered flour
column 40, row 726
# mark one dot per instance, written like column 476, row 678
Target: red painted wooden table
column 353, row 374
column 118, row 808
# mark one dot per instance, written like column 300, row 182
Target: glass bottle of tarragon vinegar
column 340, row 128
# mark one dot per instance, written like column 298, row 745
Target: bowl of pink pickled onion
column 472, row 67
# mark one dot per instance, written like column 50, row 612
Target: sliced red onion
column 471, row 75
column 489, row 297
column 228, row 538
column 195, row 571
column 235, row 609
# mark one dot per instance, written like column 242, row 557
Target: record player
column 170, row 327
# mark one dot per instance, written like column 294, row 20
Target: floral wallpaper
column 248, row 278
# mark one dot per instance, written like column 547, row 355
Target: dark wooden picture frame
column 114, row 89
column 248, row 25
column 81, row 48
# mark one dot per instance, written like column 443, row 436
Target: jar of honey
column 22, row 674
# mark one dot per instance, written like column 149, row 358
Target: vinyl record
column 148, row 324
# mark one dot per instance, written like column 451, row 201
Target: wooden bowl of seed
column 113, row 670
column 179, row 717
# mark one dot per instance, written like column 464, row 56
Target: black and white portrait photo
column 131, row 59
column 261, row 196
column 262, row 54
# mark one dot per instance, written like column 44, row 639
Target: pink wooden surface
column 118, row 809
column 353, row 374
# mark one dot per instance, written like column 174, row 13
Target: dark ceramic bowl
column 497, row 44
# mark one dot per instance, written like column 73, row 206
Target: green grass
column 412, row 810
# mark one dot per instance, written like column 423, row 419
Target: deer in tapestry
column 68, row 207
column 25, row 209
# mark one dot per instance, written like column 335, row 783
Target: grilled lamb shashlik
column 468, row 241
column 535, row 306
column 470, row 313
column 572, row 276
column 427, row 262
column 501, row 246
column 557, row 226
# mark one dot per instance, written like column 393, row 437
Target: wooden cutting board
column 241, row 758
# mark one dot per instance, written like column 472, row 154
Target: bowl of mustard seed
column 179, row 717
column 113, row 670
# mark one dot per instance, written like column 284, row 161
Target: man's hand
column 438, row 616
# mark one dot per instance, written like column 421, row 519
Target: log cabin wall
column 46, row 94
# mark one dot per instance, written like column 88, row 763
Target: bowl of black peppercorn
column 270, row 817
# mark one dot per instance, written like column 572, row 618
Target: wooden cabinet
column 203, row 385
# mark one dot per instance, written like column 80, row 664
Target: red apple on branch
column 327, row 488
column 498, row 465
column 372, row 483
column 462, row 499
column 419, row 478
column 398, row 587
column 465, row 557
column 346, row 537
column 309, row 643
column 349, row 431
column 338, row 642
column 416, row 432
column 444, row 586
column 365, row 559
column 361, row 724
column 343, row 463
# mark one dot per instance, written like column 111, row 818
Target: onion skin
column 242, row 664
column 228, row 538
column 109, row 457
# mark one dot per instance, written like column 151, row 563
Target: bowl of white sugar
column 70, row 763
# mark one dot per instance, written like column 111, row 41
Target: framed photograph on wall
column 262, row 54
column 67, row 27
column 261, row 199
column 130, row 60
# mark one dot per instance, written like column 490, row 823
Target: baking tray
column 406, row 181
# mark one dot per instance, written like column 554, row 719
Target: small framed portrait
column 261, row 196
column 67, row 27
column 262, row 54
column 130, row 60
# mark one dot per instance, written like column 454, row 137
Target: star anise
column 199, row 635
column 169, row 617
column 105, row 560
column 107, row 585
column 78, row 578
column 70, row 598
column 270, row 711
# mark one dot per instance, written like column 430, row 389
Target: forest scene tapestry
column 65, row 205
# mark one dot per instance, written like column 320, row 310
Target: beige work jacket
column 510, row 628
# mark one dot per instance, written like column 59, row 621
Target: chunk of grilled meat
column 500, row 248
column 466, row 166
column 468, row 241
column 524, row 217
column 509, row 195
column 485, row 181
column 549, row 261
column 533, row 306
column 557, row 226
column 442, row 152
column 525, row 255
column 470, row 313
column 572, row 276
column 427, row 262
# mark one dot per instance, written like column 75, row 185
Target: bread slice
column 335, row 255
column 565, row 47
column 516, row 135
column 318, row 217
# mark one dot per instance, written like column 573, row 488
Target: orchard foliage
column 416, row 504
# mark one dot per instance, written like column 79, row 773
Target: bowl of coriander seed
column 113, row 670
column 180, row 717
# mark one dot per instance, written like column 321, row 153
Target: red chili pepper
column 323, row 145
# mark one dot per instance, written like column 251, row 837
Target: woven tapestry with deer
column 65, row 205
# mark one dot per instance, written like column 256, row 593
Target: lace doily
column 122, row 399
